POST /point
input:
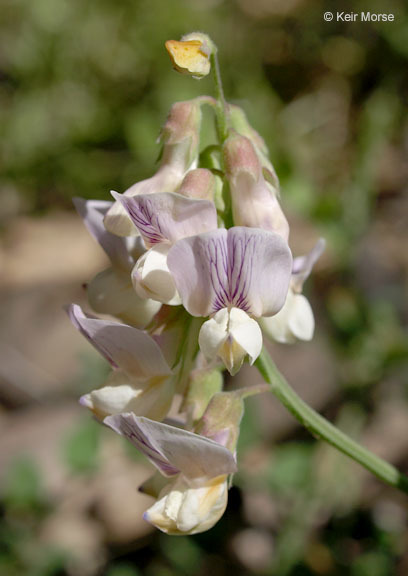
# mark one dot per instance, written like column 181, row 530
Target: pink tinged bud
column 180, row 136
column 240, row 124
column 199, row 184
column 254, row 201
column 183, row 123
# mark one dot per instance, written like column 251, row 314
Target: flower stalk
column 222, row 106
column 320, row 427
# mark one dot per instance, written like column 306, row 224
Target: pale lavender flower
column 295, row 321
column 141, row 380
column 162, row 220
column 111, row 291
column 232, row 276
column 195, row 495
column 254, row 200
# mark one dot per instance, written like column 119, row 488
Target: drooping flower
column 111, row 291
column 180, row 137
column 191, row 54
column 141, row 380
column 232, row 276
column 295, row 321
column 195, row 495
column 254, row 200
column 162, row 220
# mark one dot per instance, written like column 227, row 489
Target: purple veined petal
column 125, row 347
column 199, row 266
column 92, row 213
column 174, row 450
column 167, row 217
column 244, row 268
column 303, row 265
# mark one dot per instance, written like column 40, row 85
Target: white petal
column 151, row 398
column 213, row 334
column 301, row 319
column 230, row 336
column 182, row 509
column 152, row 279
column 110, row 399
column 112, row 292
column 293, row 322
column 246, row 333
column 172, row 449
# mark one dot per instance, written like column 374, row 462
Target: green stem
column 320, row 427
column 222, row 106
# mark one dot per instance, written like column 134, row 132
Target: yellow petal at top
column 189, row 57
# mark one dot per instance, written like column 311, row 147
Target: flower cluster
column 201, row 271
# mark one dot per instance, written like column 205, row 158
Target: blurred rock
column 44, row 262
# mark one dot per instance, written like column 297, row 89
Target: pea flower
column 295, row 321
column 111, row 291
column 195, row 495
column 180, row 137
column 233, row 276
column 141, row 378
column 162, row 219
column 254, row 200
column 191, row 54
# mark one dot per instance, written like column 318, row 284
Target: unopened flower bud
column 239, row 122
column 202, row 386
column 222, row 417
column 191, row 55
column 254, row 200
column 180, row 137
column 199, row 183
